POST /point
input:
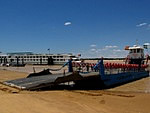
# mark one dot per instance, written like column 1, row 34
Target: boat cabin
column 136, row 52
column 136, row 55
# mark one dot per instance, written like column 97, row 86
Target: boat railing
column 110, row 68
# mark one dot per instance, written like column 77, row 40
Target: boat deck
column 35, row 82
column 86, row 74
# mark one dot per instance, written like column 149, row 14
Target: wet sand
column 129, row 98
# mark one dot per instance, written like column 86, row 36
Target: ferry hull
column 121, row 78
column 108, row 81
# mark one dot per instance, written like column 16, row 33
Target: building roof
column 21, row 53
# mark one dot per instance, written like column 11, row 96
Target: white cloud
column 67, row 23
column 109, row 51
column 141, row 24
column 93, row 45
column 117, row 50
column 93, row 50
column 111, row 47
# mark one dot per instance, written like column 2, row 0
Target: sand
column 69, row 101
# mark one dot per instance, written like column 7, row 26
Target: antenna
column 137, row 42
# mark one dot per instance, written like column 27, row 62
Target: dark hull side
column 110, row 80
column 121, row 78
column 90, row 82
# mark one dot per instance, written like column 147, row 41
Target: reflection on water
column 142, row 85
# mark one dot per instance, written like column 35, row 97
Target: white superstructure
column 30, row 58
column 136, row 52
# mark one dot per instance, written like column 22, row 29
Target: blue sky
column 93, row 28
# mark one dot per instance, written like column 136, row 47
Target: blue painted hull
column 120, row 78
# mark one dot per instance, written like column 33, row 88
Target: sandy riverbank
column 66, row 101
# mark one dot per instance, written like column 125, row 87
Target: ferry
column 101, row 75
column 112, row 74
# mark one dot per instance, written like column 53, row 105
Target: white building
column 31, row 58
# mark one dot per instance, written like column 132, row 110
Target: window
column 141, row 50
column 138, row 50
column 131, row 51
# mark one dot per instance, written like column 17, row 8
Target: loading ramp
column 45, row 78
column 38, row 82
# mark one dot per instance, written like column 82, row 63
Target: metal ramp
column 34, row 83
column 45, row 78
